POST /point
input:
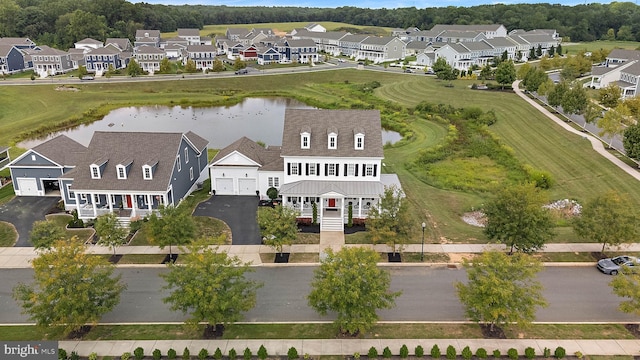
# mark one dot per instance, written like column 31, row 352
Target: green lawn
column 281, row 27
column 574, row 48
column 8, row 234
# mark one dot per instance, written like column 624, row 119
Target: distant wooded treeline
column 60, row 23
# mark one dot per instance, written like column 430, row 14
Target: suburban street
column 575, row 294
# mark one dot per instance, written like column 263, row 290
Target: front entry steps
column 332, row 224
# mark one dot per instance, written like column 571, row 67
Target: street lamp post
column 424, row 225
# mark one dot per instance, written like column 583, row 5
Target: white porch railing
column 87, row 212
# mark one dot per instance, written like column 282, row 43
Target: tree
column 109, row 230
column 165, row 66
column 516, row 218
column 557, row 93
column 533, row 79
column 539, row 51
column 506, row 73
column 625, row 33
column 44, row 233
column 218, row 66
column 350, row 284
column 272, row 193
column 173, row 226
column 278, row 226
column 70, row 288
column 609, row 219
column 532, row 53
column 388, row 221
column 609, row 96
column 190, row 67
column 559, row 50
column 591, row 114
column 133, row 68
column 82, row 71
column 211, row 286
column 631, row 141
column 486, row 73
column 552, row 51
column 612, row 123
column 627, row 286
column 238, row 64
column 501, row 289
column 575, row 100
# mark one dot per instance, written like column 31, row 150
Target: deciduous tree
column 172, row 226
column 557, row 93
column 388, row 221
column 591, row 114
column 516, row 218
column 631, row 141
column 133, row 68
column 609, row 96
column 505, row 73
column 351, row 284
column 575, row 100
column 218, row 66
column 165, row 66
column 609, row 219
column 70, row 288
column 44, row 233
column 238, row 64
column 501, row 289
column 613, row 122
column 210, row 286
column 278, row 226
column 110, row 231
column 627, row 285
column 190, row 66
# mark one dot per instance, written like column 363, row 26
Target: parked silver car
column 612, row 266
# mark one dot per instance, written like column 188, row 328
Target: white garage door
column 224, row 186
column 247, row 186
column 28, row 186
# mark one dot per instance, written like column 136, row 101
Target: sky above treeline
column 372, row 4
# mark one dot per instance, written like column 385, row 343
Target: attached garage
column 28, row 186
column 224, row 186
column 247, row 186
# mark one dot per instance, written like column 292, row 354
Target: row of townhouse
column 620, row 68
column 377, row 49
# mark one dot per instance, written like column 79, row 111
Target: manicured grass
column 285, row 27
column 8, row 234
column 211, row 229
column 141, row 259
column 597, row 45
column 359, row 237
column 62, row 220
column 307, row 238
column 562, row 331
column 6, row 193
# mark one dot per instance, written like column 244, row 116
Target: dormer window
column 333, row 141
column 304, row 140
column 358, row 141
column 95, row 172
column 122, row 171
column 147, row 172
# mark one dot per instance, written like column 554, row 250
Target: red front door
column 332, row 203
column 128, row 201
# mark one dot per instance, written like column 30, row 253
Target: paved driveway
column 239, row 212
column 23, row 211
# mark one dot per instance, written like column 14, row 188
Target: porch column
column 164, row 199
column 301, row 204
column 134, row 200
column 360, row 207
column 110, row 202
column 149, row 202
column 342, row 209
column 321, row 211
column 75, row 195
column 93, row 204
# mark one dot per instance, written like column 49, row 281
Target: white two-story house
column 332, row 158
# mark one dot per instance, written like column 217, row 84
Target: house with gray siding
column 11, row 59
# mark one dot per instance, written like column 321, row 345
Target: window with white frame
column 72, row 194
column 95, row 172
column 186, row 155
column 312, row 169
column 122, row 172
column 331, row 170
column 178, row 163
column 332, row 141
column 304, row 140
column 369, row 170
column 96, row 199
column 191, row 173
column 351, row 169
column 294, row 168
column 274, row 181
column 147, row 173
column 359, row 142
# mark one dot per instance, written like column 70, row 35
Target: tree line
column 60, row 23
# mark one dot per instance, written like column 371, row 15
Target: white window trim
column 351, row 169
column 71, row 193
column 186, row 155
column 331, row 170
column 335, row 141
column 191, row 173
column 305, row 138
column 356, row 145
column 368, row 171
column 121, row 171
column 294, row 169
column 312, row 169
column 146, row 169
column 178, row 163
column 95, row 172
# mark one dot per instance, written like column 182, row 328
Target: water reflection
column 260, row 119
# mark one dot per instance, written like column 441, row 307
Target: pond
column 260, row 119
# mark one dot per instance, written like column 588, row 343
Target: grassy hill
column 282, row 28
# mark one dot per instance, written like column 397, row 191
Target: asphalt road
column 578, row 294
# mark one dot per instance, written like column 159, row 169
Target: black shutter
column 288, row 168
column 345, row 169
column 299, row 168
column 364, row 169
column 337, row 169
column 356, row 169
column 307, row 169
column 375, row 169
column 326, row 169
column 318, row 169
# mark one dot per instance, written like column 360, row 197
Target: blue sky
column 373, row 4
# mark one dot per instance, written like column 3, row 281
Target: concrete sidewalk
column 348, row 347
column 20, row 257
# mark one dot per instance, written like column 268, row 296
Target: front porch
column 126, row 206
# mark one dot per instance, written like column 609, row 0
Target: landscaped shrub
column 419, row 351
column 496, row 354
column 314, row 209
column 404, row 352
column 292, row 353
column 203, row 354
column 186, row 354
column 74, row 356
column 373, row 353
column 481, row 353
column 435, row 351
column 529, row 353
column 451, row 352
column 171, row 354
column 233, row 354
column 93, row 356
column 62, row 354
column 560, row 353
column 386, row 353
column 125, row 356
column 138, row 353
column 512, row 354
column 466, row 353
column 350, row 216
column 262, row 352
column 157, row 354
column 546, row 352
column 247, row 354
column 218, row 354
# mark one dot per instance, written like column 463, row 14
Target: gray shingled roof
column 62, row 150
column 480, row 45
column 344, row 121
column 601, row 70
column 417, row 45
column 354, row 38
column 151, row 33
column 384, row 40
column 46, row 50
column 633, row 69
column 301, row 43
column 197, row 141
column 268, row 158
column 624, row 54
column 15, row 41
column 500, row 42
column 205, row 48
column 490, row 27
column 109, row 50
column 146, row 49
column 188, row 32
column 120, row 147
